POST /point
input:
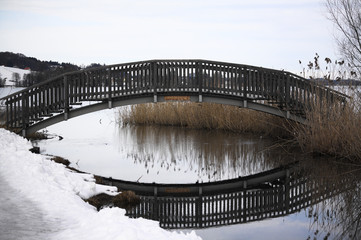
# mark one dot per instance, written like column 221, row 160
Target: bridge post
column 244, row 206
column 287, row 191
column 110, row 104
column 245, row 85
column 66, row 98
column 7, row 114
column 25, row 115
column 199, row 80
column 287, row 92
column 199, row 209
column 153, row 78
column 156, row 204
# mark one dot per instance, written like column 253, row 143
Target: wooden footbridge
column 272, row 91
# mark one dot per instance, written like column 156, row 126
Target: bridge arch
column 125, row 102
column 275, row 92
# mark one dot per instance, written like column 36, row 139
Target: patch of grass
column 37, row 136
column 126, row 200
column 99, row 201
column 61, row 160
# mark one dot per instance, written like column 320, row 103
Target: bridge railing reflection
column 289, row 194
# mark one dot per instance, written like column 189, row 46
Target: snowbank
column 58, row 192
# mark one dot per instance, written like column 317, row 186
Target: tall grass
column 332, row 130
column 205, row 116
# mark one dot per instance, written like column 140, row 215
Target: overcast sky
column 274, row 34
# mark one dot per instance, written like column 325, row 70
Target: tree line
column 40, row 70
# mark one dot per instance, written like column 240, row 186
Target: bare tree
column 2, row 81
column 346, row 15
column 16, row 79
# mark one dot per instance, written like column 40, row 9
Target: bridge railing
column 165, row 77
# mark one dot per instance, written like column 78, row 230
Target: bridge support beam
column 200, row 98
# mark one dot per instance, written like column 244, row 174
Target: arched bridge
column 275, row 92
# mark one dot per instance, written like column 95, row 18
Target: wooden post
column 245, row 86
column 66, row 98
column 244, row 201
column 154, row 79
column 199, row 209
column 287, row 93
column 287, row 191
column 199, row 80
column 110, row 105
column 156, row 204
column 7, row 114
column 25, row 116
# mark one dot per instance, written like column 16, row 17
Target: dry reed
column 332, row 130
column 205, row 116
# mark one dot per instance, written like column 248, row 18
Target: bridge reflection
column 270, row 194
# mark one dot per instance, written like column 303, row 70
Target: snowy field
column 7, row 73
column 58, row 193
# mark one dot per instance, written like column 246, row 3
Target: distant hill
column 18, row 60
column 38, row 70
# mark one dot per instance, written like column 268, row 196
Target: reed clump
column 205, row 116
column 332, row 130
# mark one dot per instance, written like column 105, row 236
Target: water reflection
column 212, row 155
column 328, row 191
column 340, row 215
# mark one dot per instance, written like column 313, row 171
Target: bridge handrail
column 244, row 66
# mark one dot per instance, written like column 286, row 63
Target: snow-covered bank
column 58, row 192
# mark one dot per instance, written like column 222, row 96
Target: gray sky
column 274, row 34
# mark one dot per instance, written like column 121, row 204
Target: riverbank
column 59, row 192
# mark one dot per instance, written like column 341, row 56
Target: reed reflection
column 337, row 217
column 211, row 155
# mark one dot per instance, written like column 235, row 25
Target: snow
column 7, row 73
column 58, row 192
